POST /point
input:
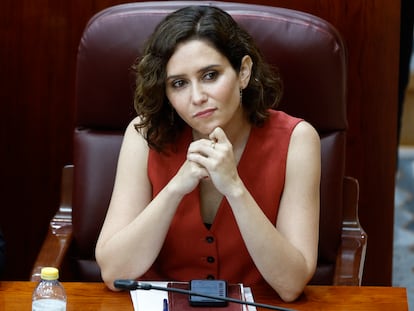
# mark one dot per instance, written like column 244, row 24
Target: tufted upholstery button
column 210, row 259
column 210, row 239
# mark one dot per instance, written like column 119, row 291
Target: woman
column 212, row 183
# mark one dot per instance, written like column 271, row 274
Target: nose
column 198, row 94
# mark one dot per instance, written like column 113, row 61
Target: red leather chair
column 312, row 60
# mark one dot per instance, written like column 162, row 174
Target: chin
column 204, row 132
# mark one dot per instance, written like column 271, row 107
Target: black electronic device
column 217, row 288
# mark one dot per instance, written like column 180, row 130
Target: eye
column 210, row 75
column 177, row 83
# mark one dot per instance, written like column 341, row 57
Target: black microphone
column 133, row 285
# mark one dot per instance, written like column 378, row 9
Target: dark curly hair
column 160, row 122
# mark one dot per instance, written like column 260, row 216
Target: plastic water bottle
column 49, row 294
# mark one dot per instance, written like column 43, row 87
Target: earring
column 241, row 96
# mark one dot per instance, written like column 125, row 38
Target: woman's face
column 204, row 88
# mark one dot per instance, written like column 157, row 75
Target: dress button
column 209, row 239
column 210, row 259
column 210, row 277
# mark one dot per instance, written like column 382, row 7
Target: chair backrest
column 312, row 60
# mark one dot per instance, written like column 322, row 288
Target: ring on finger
column 213, row 144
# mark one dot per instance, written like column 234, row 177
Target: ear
column 245, row 71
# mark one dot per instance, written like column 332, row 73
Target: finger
column 198, row 158
column 198, row 170
column 218, row 135
column 213, row 143
column 202, row 147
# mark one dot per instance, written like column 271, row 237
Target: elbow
column 110, row 272
column 110, row 284
column 107, row 277
column 290, row 295
column 289, row 292
column 292, row 292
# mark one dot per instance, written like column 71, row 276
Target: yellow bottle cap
column 49, row 273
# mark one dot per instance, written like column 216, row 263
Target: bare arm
column 135, row 227
column 285, row 255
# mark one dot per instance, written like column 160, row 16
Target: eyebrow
column 204, row 69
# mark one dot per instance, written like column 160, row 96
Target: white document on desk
column 144, row 300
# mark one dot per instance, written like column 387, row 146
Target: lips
column 204, row 113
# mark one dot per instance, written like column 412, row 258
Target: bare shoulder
column 134, row 150
column 135, row 134
column 131, row 189
column 133, row 126
column 305, row 133
column 305, row 145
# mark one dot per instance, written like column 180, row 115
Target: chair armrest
column 351, row 255
column 59, row 235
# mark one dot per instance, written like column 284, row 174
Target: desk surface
column 95, row 296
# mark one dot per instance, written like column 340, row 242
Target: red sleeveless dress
column 190, row 250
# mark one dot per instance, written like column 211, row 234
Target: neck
column 238, row 135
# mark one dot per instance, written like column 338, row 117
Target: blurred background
column 403, row 260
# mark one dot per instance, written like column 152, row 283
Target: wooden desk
column 95, row 296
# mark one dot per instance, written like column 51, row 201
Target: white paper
column 144, row 300
column 248, row 296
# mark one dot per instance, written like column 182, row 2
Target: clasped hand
column 211, row 158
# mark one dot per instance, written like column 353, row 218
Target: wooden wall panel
column 36, row 115
column 38, row 44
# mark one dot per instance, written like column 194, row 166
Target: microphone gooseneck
column 133, row 285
